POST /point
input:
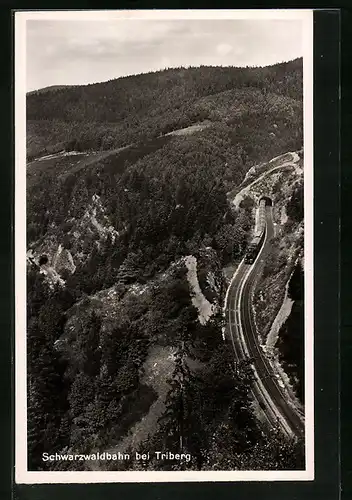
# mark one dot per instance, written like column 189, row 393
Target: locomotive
column 258, row 237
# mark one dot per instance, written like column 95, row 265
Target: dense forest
column 125, row 220
column 291, row 335
column 132, row 109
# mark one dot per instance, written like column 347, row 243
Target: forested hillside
column 131, row 109
column 112, row 237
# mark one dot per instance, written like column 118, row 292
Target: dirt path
column 288, row 164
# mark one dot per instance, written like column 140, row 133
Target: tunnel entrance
column 43, row 260
column 268, row 201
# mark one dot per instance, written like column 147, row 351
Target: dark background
column 326, row 240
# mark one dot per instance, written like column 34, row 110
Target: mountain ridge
column 131, row 109
column 62, row 86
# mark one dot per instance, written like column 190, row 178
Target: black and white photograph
column 163, row 240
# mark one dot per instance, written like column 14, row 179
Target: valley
column 140, row 192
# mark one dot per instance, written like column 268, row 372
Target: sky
column 75, row 52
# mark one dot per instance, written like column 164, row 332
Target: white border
column 21, row 473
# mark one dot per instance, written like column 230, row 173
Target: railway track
column 242, row 333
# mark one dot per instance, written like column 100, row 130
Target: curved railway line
column 242, row 333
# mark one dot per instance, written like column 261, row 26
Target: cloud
column 224, row 48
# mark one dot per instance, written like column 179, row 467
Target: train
column 254, row 247
column 259, row 234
